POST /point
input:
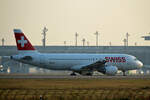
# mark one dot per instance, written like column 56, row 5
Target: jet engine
column 108, row 70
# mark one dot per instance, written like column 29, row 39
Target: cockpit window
column 135, row 59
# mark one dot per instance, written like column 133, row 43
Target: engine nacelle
column 109, row 70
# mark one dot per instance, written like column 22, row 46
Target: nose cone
column 139, row 64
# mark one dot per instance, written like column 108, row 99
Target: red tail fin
column 22, row 42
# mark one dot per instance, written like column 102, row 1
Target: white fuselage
column 67, row 61
column 105, row 63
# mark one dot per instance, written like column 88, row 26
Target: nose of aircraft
column 139, row 64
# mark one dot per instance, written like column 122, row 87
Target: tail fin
column 23, row 44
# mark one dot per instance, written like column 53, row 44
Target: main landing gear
column 89, row 74
column 82, row 73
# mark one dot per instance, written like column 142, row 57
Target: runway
column 26, row 76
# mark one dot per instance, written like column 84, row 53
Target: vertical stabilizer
column 23, row 44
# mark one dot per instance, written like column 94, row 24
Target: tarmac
column 26, row 76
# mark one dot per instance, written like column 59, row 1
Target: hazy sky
column 112, row 18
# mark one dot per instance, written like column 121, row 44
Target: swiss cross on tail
column 21, row 40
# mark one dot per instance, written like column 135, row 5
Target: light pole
column 125, row 42
column 3, row 40
column 127, row 36
column 135, row 43
column 76, row 36
column 44, row 36
column 96, row 37
column 88, row 43
column 64, row 43
column 83, row 40
column 110, row 44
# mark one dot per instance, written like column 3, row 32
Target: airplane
column 82, row 63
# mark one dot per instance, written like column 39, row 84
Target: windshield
column 135, row 59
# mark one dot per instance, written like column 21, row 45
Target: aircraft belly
column 60, row 65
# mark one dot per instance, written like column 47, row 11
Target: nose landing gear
column 124, row 73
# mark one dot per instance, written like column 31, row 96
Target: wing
column 93, row 66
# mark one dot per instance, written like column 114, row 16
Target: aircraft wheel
column 89, row 74
column 124, row 73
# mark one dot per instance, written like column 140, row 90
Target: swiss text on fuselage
column 116, row 59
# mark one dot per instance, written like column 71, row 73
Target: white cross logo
column 22, row 41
